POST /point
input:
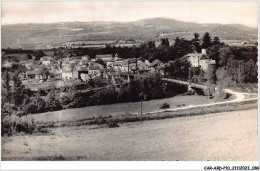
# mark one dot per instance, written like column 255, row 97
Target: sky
column 200, row 12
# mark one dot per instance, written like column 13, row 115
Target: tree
column 52, row 100
column 211, row 79
column 182, row 47
column 179, row 69
column 196, row 42
column 196, row 36
column 206, row 41
column 164, row 43
column 151, row 44
column 18, row 92
column 39, row 54
column 236, row 69
column 214, row 53
column 241, row 71
column 223, row 80
column 39, row 102
column 177, row 41
column 29, row 56
column 8, row 109
column 68, row 100
column 225, row 55
column 250, row 72
column 216, row 41
column 5, row 90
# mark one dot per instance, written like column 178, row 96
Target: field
column 221, row 136
column 48, row 35
column 113, row 109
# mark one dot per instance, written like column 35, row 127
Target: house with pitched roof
column 33, row 74
column 46, row 60
column 200, row 59
column 105, row 57
column 67, row 72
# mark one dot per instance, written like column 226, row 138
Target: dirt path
column 239, row 97
column 222, row 136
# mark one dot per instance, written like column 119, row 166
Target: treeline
column 18, row 55
column 239, row 63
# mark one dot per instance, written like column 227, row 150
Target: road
column 239, row 97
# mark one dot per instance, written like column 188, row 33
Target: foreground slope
column 221, row 136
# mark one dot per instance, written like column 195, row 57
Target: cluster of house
column 64, row 68
column 84, row 68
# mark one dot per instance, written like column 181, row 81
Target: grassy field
column 220, row 136
column 118, row 109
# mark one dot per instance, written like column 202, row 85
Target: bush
column 190, row 92
column 221, row 95
column 26, row 125
column 100, row 121
column 180, row 105
column 164, row 106
column 31, row 108
column 11, row 124
column 8, row 124
column 112, row 124
column 43, row 130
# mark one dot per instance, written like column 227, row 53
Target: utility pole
column 189, row 86
column 189, row 75
column 128, row 76
column 141, row 106
column 135, row 65
column 141, row 95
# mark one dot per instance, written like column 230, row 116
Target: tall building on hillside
column 200, row 59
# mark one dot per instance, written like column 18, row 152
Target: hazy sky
column 201, row 12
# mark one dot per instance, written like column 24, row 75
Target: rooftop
column 46, row 58
column 34, row 72
column 66, row 71
column 94, row 67
column 155, row 62
column 83, row 69
column 104, row 56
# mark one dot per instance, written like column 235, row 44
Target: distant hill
column 43, row 35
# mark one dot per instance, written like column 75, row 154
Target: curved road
column 240, row 97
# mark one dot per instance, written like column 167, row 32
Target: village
column 129, row 81
column 40, row 74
